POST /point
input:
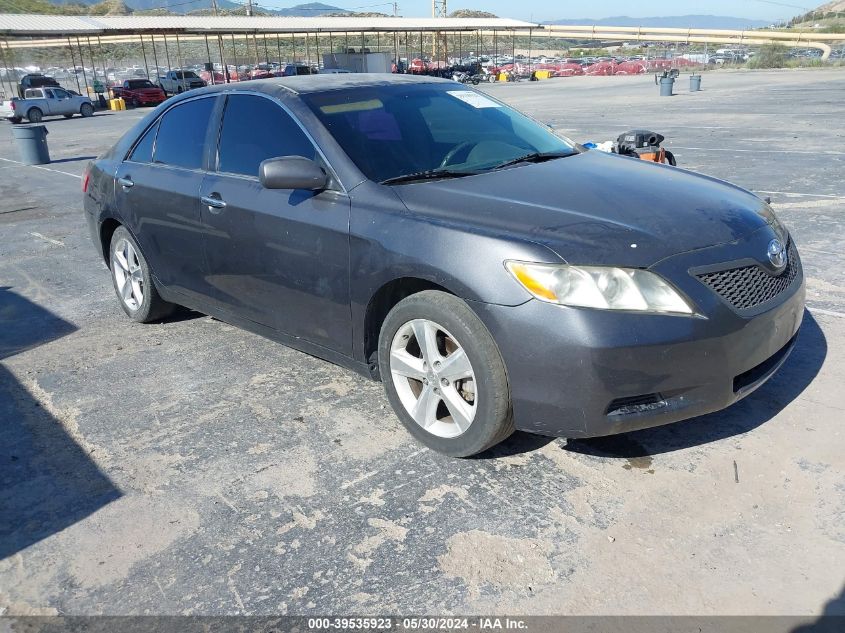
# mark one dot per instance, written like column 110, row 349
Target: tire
column 134, row 103
column 15, row 119
column 486, row 415
column 179, row 90
column 34, row 115
column 67, row 116
column 150, row 307
column 86, row 110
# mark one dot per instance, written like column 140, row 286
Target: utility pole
column 395, row 9
column 438, row 10
column 249, row 7
column 214, row 7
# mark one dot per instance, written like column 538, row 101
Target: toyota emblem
column 777, row 253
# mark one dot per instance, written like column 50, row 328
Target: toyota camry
column 492, row 274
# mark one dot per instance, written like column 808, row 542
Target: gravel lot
column 191, row 467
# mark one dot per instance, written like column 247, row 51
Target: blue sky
column 539, row 10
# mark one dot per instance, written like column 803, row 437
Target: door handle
column 213, row 202
column 125, row 182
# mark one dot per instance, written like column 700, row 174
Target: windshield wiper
column 429, row 174
column 533, row 157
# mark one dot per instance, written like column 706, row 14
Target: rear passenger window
column 181, row 134
column 143, row 152
column 255, row 129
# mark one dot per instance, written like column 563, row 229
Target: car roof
column 307, row 84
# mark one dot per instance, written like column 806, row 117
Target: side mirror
column 292, row 172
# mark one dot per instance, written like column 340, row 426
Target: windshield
column 188, row 74
column 397, row 130
column 135, row 84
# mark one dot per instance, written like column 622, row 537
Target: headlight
column 599, row 287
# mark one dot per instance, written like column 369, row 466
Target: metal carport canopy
column 13, row 25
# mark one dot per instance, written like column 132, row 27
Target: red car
column 217, row 77
column 137, row 92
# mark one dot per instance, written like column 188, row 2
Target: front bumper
column 584, row 373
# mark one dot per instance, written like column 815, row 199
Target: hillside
column 162, row 7
column 829, row 17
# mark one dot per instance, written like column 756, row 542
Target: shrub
column 770, row 56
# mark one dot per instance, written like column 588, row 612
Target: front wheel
column 444, row 375
column 133, row 281
column 86, row 110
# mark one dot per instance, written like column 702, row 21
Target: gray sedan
column 492, row 274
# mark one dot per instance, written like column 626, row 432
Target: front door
column 277, row 257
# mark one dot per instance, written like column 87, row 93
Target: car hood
column 595, row 208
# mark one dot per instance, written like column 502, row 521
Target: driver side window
column 255, row 129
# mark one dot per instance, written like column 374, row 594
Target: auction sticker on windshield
column 475, row 99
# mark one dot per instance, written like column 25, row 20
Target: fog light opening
column 636, row 404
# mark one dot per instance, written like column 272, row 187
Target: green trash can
column 666, row 85
column 694, row 83
column 32, row 144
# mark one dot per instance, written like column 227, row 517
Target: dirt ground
column 189, row 467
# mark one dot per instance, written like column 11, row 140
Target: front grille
column 749, row 286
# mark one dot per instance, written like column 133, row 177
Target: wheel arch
column 381, row 303
column 107, row 228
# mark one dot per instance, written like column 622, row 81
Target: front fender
column 388, row 242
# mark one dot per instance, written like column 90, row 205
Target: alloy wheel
column 128, row 276
column 434, row 378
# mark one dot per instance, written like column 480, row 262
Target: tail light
column 12, row 104
column 85, row 178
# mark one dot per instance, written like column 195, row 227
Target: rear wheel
column 67, row 116
column 34, row 115
column 444, row 375
column 132, row 280
column 86, row 110
column 15, row 119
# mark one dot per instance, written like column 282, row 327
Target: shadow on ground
column 832, row 619
column 75, row 159
column 47, row 480
column 794, row 376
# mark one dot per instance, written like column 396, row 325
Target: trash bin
column 32, row 144
column 694, row 83
column 666, row 85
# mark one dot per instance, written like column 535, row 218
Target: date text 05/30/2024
column 418, row 624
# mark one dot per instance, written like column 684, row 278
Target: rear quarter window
column 143, row 152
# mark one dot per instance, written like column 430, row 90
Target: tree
column 469, row 13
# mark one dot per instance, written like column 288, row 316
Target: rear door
column 157, row 190
column 276, row 257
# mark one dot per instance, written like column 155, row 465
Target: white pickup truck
column 178, row 81
column 40, row 102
